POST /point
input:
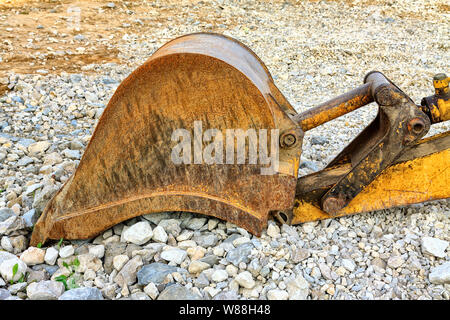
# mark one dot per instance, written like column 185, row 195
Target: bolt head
column 332, row 204
column 288, row 140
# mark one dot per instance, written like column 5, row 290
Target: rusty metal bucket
column 126, row 169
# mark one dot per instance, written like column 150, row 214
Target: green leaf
column 39, row 245
column 65, row 265
column 60, row 242
column 62, row 278
column 76, row 262
column 14, row 269
column 22, row 278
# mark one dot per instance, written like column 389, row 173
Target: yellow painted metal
column 444, row 109
column 441, row 84
column 441, row 88
column 335, row 108
column 419, row 180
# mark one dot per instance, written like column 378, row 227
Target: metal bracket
column 398, row 124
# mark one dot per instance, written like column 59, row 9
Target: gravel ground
column 315, row 50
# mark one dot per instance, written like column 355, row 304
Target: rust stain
column 335, row 108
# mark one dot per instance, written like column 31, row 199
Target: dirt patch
column 52, row 36
column 58, row 36
column 55, row 63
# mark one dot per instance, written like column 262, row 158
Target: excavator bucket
column 152, row 148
